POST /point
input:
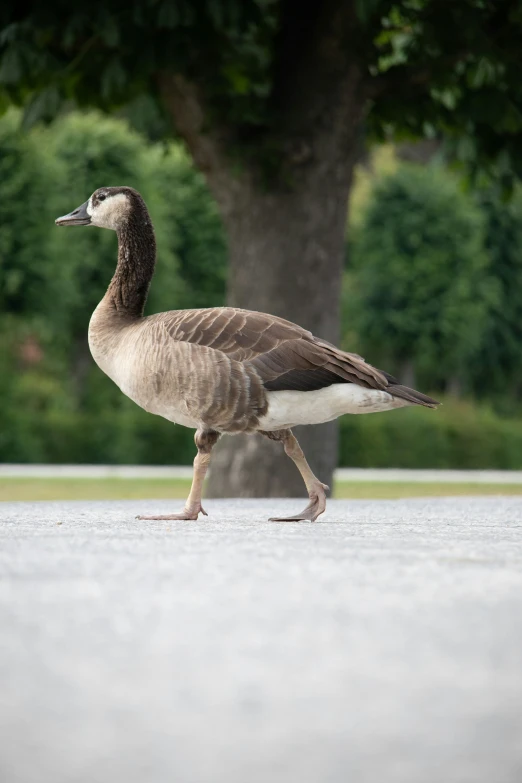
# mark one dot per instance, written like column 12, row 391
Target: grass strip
column 136, row 489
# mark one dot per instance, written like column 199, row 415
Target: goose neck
column 129, row 286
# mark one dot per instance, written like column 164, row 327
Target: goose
column 220, row 370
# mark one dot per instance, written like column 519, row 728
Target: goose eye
column 102, row 197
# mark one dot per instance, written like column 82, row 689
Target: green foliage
column 459, row 435
column 497, row 369
column 452, row 69
column 25, row 284
column 420, row 276
column 55, row 404
column 193, row 231
column 427, row 66
column 111, row 55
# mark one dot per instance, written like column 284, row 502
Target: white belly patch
column 291, row 408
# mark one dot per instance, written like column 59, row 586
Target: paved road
column 382, row 645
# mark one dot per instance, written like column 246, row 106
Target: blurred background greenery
column 431, row 293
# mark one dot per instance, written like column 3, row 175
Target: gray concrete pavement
column 185, row 471
column 383, row 644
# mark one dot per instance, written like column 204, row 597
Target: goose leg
column 315, row 488
column 205, row 441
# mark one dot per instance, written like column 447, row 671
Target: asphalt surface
column 383, row 644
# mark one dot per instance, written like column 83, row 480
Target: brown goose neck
column 129, row 286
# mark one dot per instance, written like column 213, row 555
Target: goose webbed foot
column 188, row 514
column 315, row 507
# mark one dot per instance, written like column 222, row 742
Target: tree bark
column 285, row 233
column 286, row 258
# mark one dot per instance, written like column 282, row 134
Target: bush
column 497, row 368
column 459, row 435
column 420, row 284
column 58, row 406
column 30, row 280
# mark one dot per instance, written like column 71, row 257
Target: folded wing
column 286, row 356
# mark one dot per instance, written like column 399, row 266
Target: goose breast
column 187, row 384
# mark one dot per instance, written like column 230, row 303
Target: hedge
column 457, row 435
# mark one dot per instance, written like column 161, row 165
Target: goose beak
column 78, row 217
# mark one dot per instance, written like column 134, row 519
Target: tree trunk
column 286, row 230
column 286, row 258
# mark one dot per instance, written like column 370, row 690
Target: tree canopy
column 423, row 66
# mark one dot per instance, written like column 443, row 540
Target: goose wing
column 285, row 356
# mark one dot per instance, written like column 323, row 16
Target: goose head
column 107, row 208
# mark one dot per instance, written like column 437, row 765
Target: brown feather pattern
column 266, row 353
column 273, row 346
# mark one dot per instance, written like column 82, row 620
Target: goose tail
column 412, row 396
